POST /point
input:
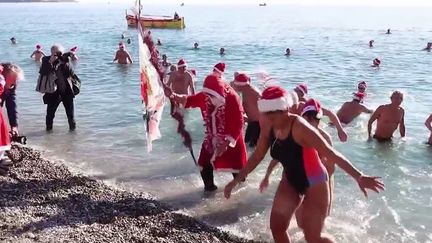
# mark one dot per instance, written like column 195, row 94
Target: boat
column 160, row 22
column 263, row 4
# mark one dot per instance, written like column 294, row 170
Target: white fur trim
column 280, row 104
column 214, row 93
column 241, row 83
column 301, row 89
column 232, row 141
column 183, row 65
column 217, row 70
column 312, row 108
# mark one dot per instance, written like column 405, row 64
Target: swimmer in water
column 287, row 52
column 222, row 51
column 122, row 56
column 159, row 43
column 428, row 47
column 371, row 42
column 196, row 46
column 376, row 63
column 298, row 146
column 388, row 32
column 38, row 54
column 389, row 117
column 129, row 41
column 361, row 87
column 13, row 41
column 428, row 124
column 352, row 109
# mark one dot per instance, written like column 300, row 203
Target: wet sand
column 43, row 201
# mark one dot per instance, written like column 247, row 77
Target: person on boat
column 352, row 109
column 389, row 117
column 250, row 96
column 11, row 73
column 219, row 69
column 73, row 53
column 428, row 47
column 13, row 41
column 312, row 113
column 287, row 52
column 222, row 51
column 388, row 32
column 58, row 65
column 296, row 144
column 196, row 46
column 181, row 81
column 38, row 53
column 159, row 43
column 376, row 63
column 122, row 55
column 176, row 16
column 301, row 91
column 371, row 42
column 428, row 124
column 223, row 147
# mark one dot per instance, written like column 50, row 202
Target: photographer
column 55, row 82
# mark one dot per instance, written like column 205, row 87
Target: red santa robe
column 4, row 128
column 224, row 122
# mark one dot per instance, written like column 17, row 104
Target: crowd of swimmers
column 284, row 122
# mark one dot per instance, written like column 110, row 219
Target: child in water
column 38, row 54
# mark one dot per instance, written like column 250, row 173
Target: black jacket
column 9, row 98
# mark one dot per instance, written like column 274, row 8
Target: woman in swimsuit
column 296, row 144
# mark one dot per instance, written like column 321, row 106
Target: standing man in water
column 389, row 117
column 250, row 96
column 122, row 55
column 352, row 109
column 38, row 54
column 428, row 124
column 181, row 81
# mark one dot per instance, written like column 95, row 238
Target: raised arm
column 343, row 136
column 372, row 119
column 254, row 160
column 402, row 124
column 307, row 136
column 428, row 123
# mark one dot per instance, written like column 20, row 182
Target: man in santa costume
column 223, row 148
column 219, row 69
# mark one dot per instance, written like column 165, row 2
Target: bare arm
column 402, row 125
column 170, row 80
column 372, row 119
column 129, row 58
column 428, row 123
column 309, row 137
column 116, row 57
column 32, row 55
column 366, row 110
column 271, row 167
column 335, row 120
column 191, row 85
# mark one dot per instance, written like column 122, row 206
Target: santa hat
column 359, row 96
column 377, row 61
column 214, row 86
column 275, row 98
column 193, row 71
column 303, row 88
column 74, row 49
column 313, row 105
column 181, row 63
column 242, row 79
column 220, row 67
column 38, row 47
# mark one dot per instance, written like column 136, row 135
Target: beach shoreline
column 43, row 201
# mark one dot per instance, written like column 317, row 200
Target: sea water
column 329, row 52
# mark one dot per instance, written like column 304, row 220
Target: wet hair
column 311, row 115
column 10, row 67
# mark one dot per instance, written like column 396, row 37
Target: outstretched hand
column 371, row 183
column 228, row 189
column 343, row 136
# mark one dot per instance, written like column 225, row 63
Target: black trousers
column 53, row 101
column 207, row 176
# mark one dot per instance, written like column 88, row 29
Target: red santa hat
column 220, row 68
column 313, row 105
column 303, row 88
column 38, row 46
column 193, row 71
column 377, row 61
column 275, row 98
column 181, row 63
column 242, row 79
column 74, row 49
column 359, row 96
column 214, row 86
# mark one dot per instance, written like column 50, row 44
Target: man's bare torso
column 388, row 121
